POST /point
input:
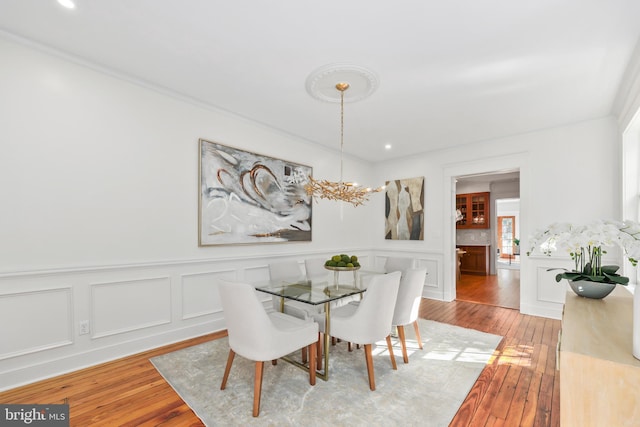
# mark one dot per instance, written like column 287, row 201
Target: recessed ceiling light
column 387, row 147
column 69, row 4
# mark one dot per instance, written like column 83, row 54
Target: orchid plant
column 585, row 245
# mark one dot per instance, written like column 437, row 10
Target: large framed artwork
column 250, row 198
column 404, row 209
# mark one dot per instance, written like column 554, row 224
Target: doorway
column 499, row 284
column 507, row 233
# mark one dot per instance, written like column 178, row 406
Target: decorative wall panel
column 139, row 303
column 200, row 293
column 554, row 293
column 35, row 321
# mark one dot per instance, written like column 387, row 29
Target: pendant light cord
column 341, row 133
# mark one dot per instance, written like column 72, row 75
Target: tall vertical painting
column 249, row 198
column 404, row 209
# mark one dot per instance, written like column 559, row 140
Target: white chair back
column 372, row 319
column 409, row 296
column 290, row 270
column 248, row 324
column 315, row 268
column 258, row 336
column 397, row 264
column 283, row 270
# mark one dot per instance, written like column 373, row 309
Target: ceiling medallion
column 321, row 84
column 342, row 191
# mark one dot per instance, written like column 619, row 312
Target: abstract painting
column 404, row 209
column 250, row 198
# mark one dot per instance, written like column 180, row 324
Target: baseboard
column 542, row 311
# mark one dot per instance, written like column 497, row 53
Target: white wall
column 628, row 109
column 569, row 173
column 99, row 216
column 104, row 172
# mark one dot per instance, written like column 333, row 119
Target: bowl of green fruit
column 342, row 262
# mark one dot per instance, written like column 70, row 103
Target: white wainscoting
column 132, row 308
column 126, row 306
column 553, row 294
column 544, row 297
column 128, row 309
column 199, row 298
column 433, row 282
column 35, row 321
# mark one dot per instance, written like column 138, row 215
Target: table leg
column 306, row 366
column 327, row 330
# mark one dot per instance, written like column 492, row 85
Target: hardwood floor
column 519, row 387
column 501, row 289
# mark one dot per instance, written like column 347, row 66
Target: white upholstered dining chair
column 314, row 268
column 258, row 336
column 369, row 321
column 290, row 270
column 391, row 264
column 397, row 264
column 408, row 305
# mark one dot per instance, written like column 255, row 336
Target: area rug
column 427, row 391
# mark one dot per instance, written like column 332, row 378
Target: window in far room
column 506, row 231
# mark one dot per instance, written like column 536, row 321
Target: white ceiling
column 450, row 72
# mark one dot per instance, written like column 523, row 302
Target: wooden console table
column 599, row 377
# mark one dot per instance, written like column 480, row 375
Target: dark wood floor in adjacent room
column 519, row 387
column 501, row 289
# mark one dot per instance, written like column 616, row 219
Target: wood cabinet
column 599, row 377
column 475, row 210
column 475, row 260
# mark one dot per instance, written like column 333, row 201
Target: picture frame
column 250, row 198
column 404, row 209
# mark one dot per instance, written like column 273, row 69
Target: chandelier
column 349, row 192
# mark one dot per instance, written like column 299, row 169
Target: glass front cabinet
column 474, row 209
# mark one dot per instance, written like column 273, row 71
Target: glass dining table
column 314, row 292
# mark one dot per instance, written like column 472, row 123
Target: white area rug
column 425, row 392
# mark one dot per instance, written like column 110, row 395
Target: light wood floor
column 520, row 386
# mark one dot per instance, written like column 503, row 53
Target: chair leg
column 257, row 388
column 417, row 329
column 350, row 346
column 304, row 355
column 369, row 359
column 312, row 363
column 319, row 351
column 393, row 357
column 403, row 343
column 232, row 354
column 274, row 362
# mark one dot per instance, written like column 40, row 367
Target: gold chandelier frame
column 349, row 192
